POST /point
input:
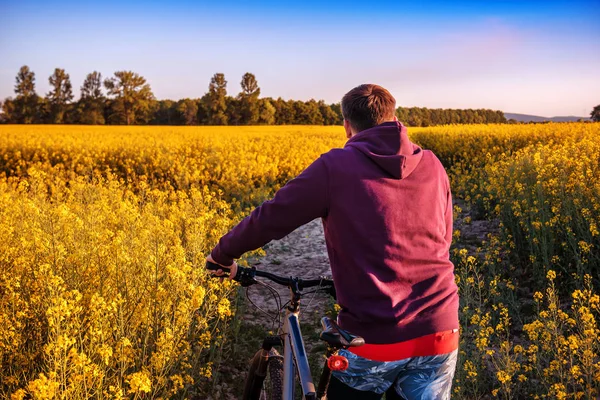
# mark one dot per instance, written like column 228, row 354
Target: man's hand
column 232, row 268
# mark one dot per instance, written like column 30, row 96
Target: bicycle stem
column 296, row 295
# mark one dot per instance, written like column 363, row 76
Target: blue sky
column 536, row 57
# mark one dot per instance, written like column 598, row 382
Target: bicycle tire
column 275, row 380
column 268, row 386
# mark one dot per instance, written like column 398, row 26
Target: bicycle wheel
column 265, row 376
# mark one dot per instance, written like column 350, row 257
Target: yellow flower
column 518, row 349
column 45, row 387
column 503, row 377
column 18, row 395
column 139, row 382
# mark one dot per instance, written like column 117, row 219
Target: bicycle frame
column 294, row 354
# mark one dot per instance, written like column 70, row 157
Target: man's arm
column 301, row 200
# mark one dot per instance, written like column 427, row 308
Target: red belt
column 429, row 345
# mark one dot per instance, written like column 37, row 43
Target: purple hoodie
column 386, row 209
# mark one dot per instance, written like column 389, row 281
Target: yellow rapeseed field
column 104, row 230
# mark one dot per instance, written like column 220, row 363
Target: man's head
column 367, row 106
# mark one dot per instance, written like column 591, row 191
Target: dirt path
column 302, row 253
column 473, row 232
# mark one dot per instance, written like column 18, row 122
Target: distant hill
column 535, row 118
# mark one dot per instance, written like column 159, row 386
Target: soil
column 473, row 232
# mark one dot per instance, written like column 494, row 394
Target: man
column 387, row 215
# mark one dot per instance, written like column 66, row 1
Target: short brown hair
column 368, row 105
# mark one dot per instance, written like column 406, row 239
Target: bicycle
column 282, row 368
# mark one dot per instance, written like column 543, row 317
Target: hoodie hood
column 388, row 146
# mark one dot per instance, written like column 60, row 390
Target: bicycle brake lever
column 245, row 276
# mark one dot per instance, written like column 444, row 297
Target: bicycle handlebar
column 245, row 276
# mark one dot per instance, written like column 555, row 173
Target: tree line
column 126, row 98
column 415, row 116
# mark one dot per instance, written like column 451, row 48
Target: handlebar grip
column 215, row 267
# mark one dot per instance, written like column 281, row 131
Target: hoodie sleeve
column 301, row 200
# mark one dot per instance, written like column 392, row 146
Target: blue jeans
column 422, row 378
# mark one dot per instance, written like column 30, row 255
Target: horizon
column 517, row 57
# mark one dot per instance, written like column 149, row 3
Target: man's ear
column 348, row 129
column 395, row 118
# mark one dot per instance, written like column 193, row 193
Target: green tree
column 133, row 99
column 337, row 109
column 234, row 109
column 92, row 86
column 595, row 114
column 307, row 113
column 454, row 117
column 216, row 103
column 26, row 103
column 92, row 102
column 60, row 97
column 301, row 113
column 402, row 115
column 8, row 111
column 267, row 112
column 330, row 117
column 285, row 112
column 202, row 116
column 25, row 85
column 165, row 113
column 188, row 111
column 414, row 116
column 248, row 97
column 417, row 116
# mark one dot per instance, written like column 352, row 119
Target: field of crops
column 104, row 231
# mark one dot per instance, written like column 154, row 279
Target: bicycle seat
column 337, row 337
